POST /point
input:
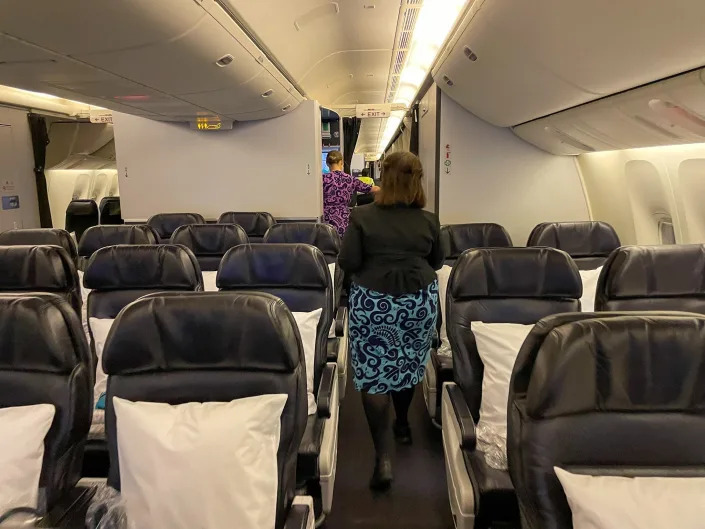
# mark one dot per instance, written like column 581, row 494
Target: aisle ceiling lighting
column 435, row 21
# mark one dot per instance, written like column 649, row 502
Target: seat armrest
column 332, row 349
column 468, row 439
column 297, row 517
column 325, row 390
column 340, row 316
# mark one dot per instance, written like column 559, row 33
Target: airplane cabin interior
column 419, row 264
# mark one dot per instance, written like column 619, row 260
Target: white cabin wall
column 494, row 176
column 271, row 165
column 428, row 143
column 17, row 170
column 634, row 189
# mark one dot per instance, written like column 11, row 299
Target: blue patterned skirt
column 390, row 337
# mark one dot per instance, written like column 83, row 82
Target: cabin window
column 666, row 233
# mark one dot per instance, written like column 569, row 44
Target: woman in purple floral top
column 338, row 187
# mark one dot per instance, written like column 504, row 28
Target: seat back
column 40, row 269
column 118, row 275
column 503, row 285
column 165, row 224
column 296, row 273
column 175, row 349
column 81, row 215
column 669, row 277
column 588, row 243
column 99, row 237
column 254, row 223
column 40, row 237
column 604, row 394
column 110, row 211
column 456, row 238
column 209, row 242
column 44, row 359
column 322, row 236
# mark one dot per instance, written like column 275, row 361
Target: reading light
column 434, row 23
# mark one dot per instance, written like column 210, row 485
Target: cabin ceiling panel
column 329, row 46
column 540, row 57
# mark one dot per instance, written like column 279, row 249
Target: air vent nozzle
column 447, row 80
column 225, row 60
column 268, row 93
column 469, row 54
column 287, row 107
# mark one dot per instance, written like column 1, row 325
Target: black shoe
column 402, row 433
column 382, row 477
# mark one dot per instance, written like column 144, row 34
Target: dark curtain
column 414, row 141
column 351, row 130
column 40, row 140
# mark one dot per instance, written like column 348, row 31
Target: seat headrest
column 40, row 237
column 33, row 268
column 97, row 237
column 578, row 239
column 653, row 272
column 255, row 224
column 186, row 332
column 273, row 265
column 82, row 208
column 460, row 237
column 166, row 223
column 515, row 273
column 322, row 236
column 209, row 239
column 110, row 210
column 143, row 267
column 613, row 362
column 41, row 333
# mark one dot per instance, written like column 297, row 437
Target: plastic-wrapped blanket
column 493, row 444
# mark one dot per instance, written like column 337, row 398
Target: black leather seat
column 165, row 224
column 456, row 238
column 588, row 243
column 298, row 274
column 117, row 276
column 81, row 215
column 255, row 223
column 110, row 212
column 209, row 243
column 669, row 277
column 326, row 239
column 99, row 237
column 41, row 237
column 149, row 357
column 499, row 285
column 44, row 359
column 40, row 269
column 617, row 394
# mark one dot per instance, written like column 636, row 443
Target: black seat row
column 255, row 224
column 542, row 286
column 149, row 357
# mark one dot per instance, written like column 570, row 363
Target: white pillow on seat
column 589, row 278
column 209, row 277
column 207, row 465
column 615, row 502
column 308, row 323
column 100, row 327
column 331, row 270
column 22, row 453
column 498, row 345
column 443, row 276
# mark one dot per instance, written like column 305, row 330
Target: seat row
column 545, row 399
column 116, row 276
column 238, row 354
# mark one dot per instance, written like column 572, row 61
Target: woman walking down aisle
column 338, row 187
column 392, row 249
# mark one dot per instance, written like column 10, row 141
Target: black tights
column 379, row 419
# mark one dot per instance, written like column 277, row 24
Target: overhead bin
column 670, row 112
column 170, row 59
column 511, row 62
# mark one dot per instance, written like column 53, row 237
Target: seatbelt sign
column 373, row 111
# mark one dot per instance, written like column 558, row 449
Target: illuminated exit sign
column 373, row 111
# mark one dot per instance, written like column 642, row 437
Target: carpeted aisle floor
column 418, row 498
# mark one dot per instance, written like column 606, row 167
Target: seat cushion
column 495, row 498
